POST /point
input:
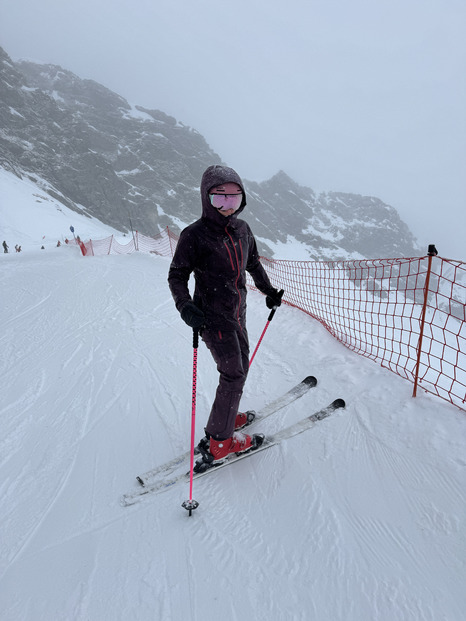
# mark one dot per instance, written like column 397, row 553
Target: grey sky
column 364, row 96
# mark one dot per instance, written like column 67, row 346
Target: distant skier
column 5, row 247
column 219, row 248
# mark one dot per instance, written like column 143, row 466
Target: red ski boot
column 243, row 419
column 215, row 452
column 238, row 443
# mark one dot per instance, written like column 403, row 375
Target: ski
column 279, row 403
column 269, row 441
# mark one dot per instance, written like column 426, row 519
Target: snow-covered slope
column 361, row 517
column 31, row 218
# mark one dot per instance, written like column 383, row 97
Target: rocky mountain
column 100, row 155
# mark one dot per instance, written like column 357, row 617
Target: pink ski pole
column 272, row 313
column 191, row 504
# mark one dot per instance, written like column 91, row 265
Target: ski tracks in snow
column 390, row 550
column 65, row 376
column 360, row 517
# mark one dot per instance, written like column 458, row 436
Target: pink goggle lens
column 226, row 201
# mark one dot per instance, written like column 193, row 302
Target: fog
column 352, row 96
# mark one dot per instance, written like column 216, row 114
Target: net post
column 431, row 252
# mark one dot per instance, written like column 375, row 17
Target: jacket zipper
column 238, row 273
column 229, row 254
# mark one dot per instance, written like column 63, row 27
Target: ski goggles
column 226, row 202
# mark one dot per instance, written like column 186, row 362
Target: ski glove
column 192, row 315
column 274, row 299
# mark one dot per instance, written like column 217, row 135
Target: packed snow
column 32, row 218
column 360, row 517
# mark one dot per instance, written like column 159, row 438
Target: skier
column 5, row 247
column 219, row 248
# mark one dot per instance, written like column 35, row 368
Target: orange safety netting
column 162, row 244
column 375, row 307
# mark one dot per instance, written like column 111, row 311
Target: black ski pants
column 230, row 350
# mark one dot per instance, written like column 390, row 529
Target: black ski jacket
column 219, row 250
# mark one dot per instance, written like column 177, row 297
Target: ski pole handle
column 274, row 308
column 195, row 339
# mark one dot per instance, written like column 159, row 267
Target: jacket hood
column 213, row 176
